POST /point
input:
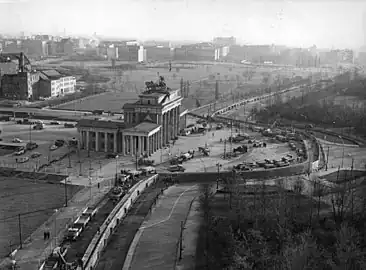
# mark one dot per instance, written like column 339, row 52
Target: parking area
column 42, row 140
column 232, row 146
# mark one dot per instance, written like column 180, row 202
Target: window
column 148, row 101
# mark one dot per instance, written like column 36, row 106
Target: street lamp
column 116, row 169
column 55, row 232
column 218, row 165
column 342, row 150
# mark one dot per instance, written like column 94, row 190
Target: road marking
column 171, row 211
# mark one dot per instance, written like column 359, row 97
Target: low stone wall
column 100, row 240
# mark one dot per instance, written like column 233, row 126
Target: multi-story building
column 20, row 86
column 149, row 124
column 112, row 52
column 35, row 48
column 53, row 84
column 136, row 53
column 66, row 46
column 158, row 53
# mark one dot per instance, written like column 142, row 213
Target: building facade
column 53, row 84
column 35, row 48
column 20, row 86
column 149, row 124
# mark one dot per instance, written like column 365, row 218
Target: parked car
column 219, row 126
column 176, row 168
column 111, row 155
column 17, row 140
column 59, row 143
column 31, row 145
column 147, row 170
column 74, row 231
column 55, row 122
column 22, row 160
column 53, row 147
column 69, row 125
column 35, row 155
column 19, row 152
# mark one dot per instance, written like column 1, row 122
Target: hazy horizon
column 299, row 23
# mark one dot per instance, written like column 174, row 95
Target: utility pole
column 218, row 165
column 65, row 193
column 326, row 164
column 225, row 149
column 20, row 232
column 30, row 129
column 231, row 136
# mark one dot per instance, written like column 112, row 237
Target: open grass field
column 21, row 196
column 124, row 86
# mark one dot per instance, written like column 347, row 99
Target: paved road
column 155, row 245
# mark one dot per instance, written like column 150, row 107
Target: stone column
column 139, row 145
column 173, row 122
column 81, row 140
column 123, row 145
column 178, row 119
column 87, row 140
column 96, row 141
column 162, row 135
column 115, row 149
column 105, row 141
column 167, row 127
column 131, row 144
column 148, row 145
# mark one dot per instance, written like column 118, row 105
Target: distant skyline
column 299, row 23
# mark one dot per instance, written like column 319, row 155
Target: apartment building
column 20, row 86
column 35, row 48
column 53, row 84
column 158, row 53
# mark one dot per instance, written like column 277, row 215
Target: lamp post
column 342, row 150
column 116, row 169
column 55, row 232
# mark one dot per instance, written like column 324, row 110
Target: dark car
column 31, row 145
column 111, row 155
column 69, row 125
column 59, row 143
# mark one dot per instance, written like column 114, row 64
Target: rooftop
column 144, row 127
column 102, row 123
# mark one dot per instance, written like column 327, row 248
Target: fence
column 100, row 240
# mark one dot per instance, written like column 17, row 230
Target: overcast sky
column 325, row 23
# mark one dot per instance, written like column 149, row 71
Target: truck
column 117, row 193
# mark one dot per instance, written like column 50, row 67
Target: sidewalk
column 35, row 249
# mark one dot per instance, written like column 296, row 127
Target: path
column 35, row 249
column 155, row 244
column 190, row 238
